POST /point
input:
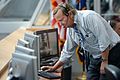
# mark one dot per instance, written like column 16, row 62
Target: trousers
column 93, row 65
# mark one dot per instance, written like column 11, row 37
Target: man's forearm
column 104, row 62
column 58, row 65
column 105, row 54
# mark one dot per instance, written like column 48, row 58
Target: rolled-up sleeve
column 69, row 46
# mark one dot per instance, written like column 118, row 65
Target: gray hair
column 66, row 8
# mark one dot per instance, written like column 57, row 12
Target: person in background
column 92, row 32
column 115, row 24
column 78, row 4
column 81, row 5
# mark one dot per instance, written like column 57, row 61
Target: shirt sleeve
column 97, row 25
column 69, row 46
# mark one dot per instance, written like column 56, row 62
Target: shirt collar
column 75, row 18
column 78, row 19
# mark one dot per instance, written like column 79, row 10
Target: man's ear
column 70, row 14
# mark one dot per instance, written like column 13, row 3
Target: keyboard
column 49, row 62
column 48, row 75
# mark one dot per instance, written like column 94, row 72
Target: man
column 92, row 32
column 61, row 38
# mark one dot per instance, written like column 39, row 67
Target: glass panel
column 43, row 18
column 18, row 10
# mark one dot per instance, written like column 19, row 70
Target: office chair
column 112, row 72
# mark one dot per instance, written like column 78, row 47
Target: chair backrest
column 112, row 72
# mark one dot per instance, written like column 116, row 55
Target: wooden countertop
column 7, row 47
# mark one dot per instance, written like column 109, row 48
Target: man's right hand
column 47, row 68
column 52, row 68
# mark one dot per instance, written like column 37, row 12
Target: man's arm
column 57, row 65
column 53, row 68
column 104, row 62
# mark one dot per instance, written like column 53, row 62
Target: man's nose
column 62, row 23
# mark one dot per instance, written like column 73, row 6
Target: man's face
column 117, row 28
column 65, row 21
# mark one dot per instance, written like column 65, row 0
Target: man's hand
column 104, row 62
column 52, row 68
column 47, row 68
column 102, row 67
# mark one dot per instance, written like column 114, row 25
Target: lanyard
column 80, row 35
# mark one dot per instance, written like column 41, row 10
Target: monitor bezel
column 48, row 31
column 25, row 50
column 23, row 42
column 30, row 37
column 29, row 60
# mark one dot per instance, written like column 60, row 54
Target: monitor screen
column 34, row 44
column 48, row 44
column 24, row 66
column 23, row 42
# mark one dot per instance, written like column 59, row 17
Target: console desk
column 7, row 47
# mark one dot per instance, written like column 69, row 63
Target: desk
column 41, row 78
column 7, row 47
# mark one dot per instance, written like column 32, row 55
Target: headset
column 64, row 8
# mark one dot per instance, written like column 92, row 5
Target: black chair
column 112, row 72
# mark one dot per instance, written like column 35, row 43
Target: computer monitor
column 24, row 66
column 34, row 44
column 23, row 42
column 25, row 50
column 48, row 44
